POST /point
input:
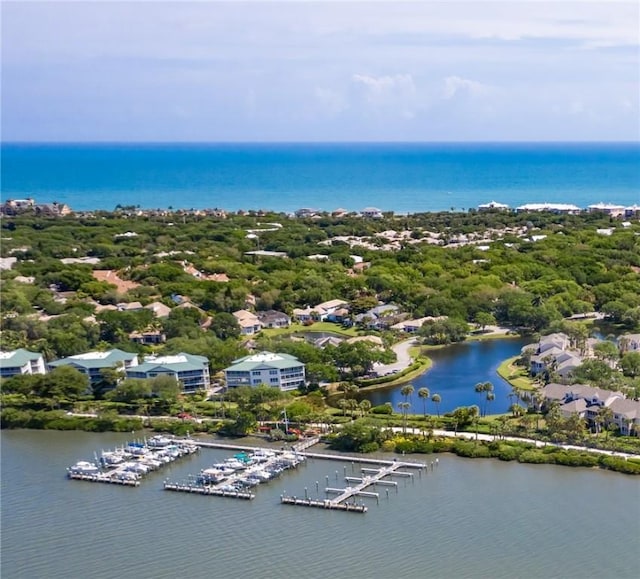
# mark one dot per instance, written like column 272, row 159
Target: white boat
column 235, row 464
column 159, row 441
column 84, row 467
column 136, row 467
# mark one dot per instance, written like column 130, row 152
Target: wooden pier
column 101, row 478
column 371, row 477
column 208, row 490
column 326, row 504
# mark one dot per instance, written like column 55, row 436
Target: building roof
column 181, row 362
column 96, row 359
column 17, row 358
column 264, row 360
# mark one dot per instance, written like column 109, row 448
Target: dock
column 208, row 490
column 370, row 478
column 101, row 478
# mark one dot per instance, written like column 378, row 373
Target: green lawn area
column 316, row 327
column 516, row 375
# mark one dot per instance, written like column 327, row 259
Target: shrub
column 382, row 409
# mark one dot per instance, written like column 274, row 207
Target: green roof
column 176, row 363
column 263, row 361
column 91, row 360
column 17, row 358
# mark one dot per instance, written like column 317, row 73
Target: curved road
column 403, row 359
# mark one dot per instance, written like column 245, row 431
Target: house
column 412, row 326
column 329, row 310
column 276, row 370
column 192, row 372
column 553, row 352
column 16, row 206
column 274, row 319
column 249, row 323
column 608, row 209
column 325, row 341
column 53, row 209
column 588, row 401
column 372, row 213
column 629, row 343
column 91, row 363
column 626, row 415
column 379, row 317
column 493, row 206
column 332, row 311
column 159, row 309
column 557, row 208
column 20, row 361
column 148, row 337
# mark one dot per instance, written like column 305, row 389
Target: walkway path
column 403, row 358
column 538, row 443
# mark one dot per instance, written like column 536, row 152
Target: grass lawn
column 516, row 375
column 316, row 327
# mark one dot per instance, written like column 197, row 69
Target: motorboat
column 84, row 467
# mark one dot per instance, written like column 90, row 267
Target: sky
column 320, row 71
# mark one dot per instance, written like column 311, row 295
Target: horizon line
column 328, row 142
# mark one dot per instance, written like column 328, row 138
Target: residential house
column 276, row 370
column 274, row 319
column 588, row 401
column 493, row 206
column 554, row 353
column 159, row 309
column 21, row 361
column 331, row 311
column 608, row 209
column 249, row 323
column 412, row 326
column 372, row 213
column 91, row 363
column 148, row 337
column 379, row 317
column 192, row 372
column 629, row 343
column 626, row 416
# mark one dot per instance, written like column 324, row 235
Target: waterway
column 455, row 371
column 469, row 518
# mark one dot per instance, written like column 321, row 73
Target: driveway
column 403, row 359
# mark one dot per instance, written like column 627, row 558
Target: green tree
column 225, row 326
column 424, row 394
column 436, row 399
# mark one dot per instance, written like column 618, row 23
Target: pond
column 455, row 372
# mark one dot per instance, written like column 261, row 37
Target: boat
column 84, row 468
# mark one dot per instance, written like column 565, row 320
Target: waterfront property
column 277, row 370
column 92, row 363
column 21, row 361
column 191, row 371
column 589, row 402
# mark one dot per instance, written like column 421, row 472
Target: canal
column 455, row 371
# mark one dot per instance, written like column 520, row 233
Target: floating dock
column 101, row 478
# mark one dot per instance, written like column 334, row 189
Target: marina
column 234, row 476
column 128, row 464
column 346, row 497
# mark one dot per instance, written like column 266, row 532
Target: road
column 403, row 359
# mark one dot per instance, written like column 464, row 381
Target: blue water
column 454, row 374
column 286, row 177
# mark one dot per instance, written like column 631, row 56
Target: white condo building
column 277, row 370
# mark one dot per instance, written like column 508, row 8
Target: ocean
column 400, row 177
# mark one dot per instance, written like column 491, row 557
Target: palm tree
column 424, row 394
column 364, row 406
column 436, row 399
column 490, row 398
column 404, row 406
column 606, row 416
column 407, row 391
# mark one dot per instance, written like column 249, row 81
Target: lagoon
column 470, row 518
column 455, row 371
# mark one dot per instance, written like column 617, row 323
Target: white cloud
column 455, row 85
column 395, row 95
